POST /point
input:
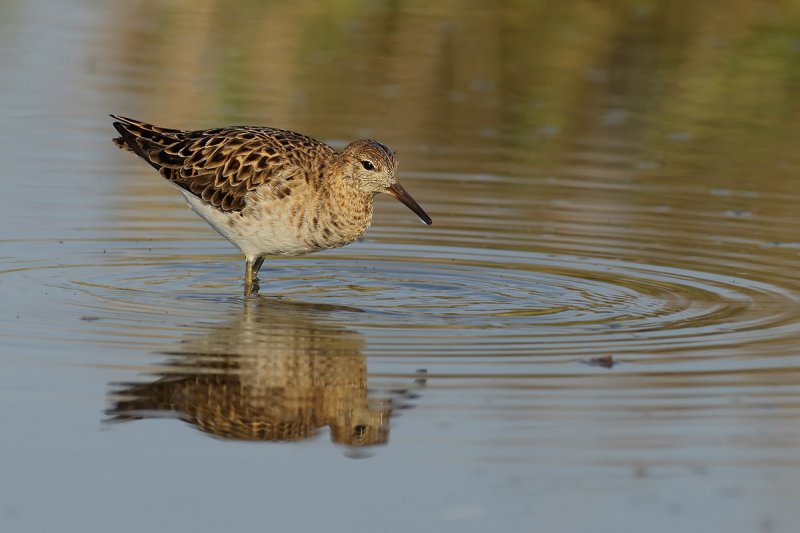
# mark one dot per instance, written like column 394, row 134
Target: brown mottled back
column 222, row 165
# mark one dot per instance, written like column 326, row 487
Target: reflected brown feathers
column 278, row 371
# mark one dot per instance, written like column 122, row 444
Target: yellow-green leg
column 251, row 269
column 249, row 278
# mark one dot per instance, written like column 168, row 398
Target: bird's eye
column 359, row 431
column 367, row 165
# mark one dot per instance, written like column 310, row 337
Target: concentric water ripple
column 428, row 301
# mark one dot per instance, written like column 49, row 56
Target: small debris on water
column 90, row 318
column 605, row 361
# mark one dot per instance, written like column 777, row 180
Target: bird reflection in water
column 278, row 372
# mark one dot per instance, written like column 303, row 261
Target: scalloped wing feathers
column 223, row 165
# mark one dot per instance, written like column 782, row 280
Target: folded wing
column 222, row 165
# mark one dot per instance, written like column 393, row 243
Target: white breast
column 257, row 234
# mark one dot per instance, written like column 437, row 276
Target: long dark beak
column 401, row 194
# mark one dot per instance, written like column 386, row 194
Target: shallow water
column 599, row 331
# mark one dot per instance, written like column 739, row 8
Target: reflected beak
column 401, row 194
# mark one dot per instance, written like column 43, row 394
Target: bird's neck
column 350, row 210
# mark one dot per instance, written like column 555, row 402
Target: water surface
column 599, row 332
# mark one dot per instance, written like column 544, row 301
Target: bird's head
column 372, row 167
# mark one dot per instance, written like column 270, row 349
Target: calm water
column 598, row 333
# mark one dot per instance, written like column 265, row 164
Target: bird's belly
column 257, row 233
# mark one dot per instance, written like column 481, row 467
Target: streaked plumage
column 270, row 191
